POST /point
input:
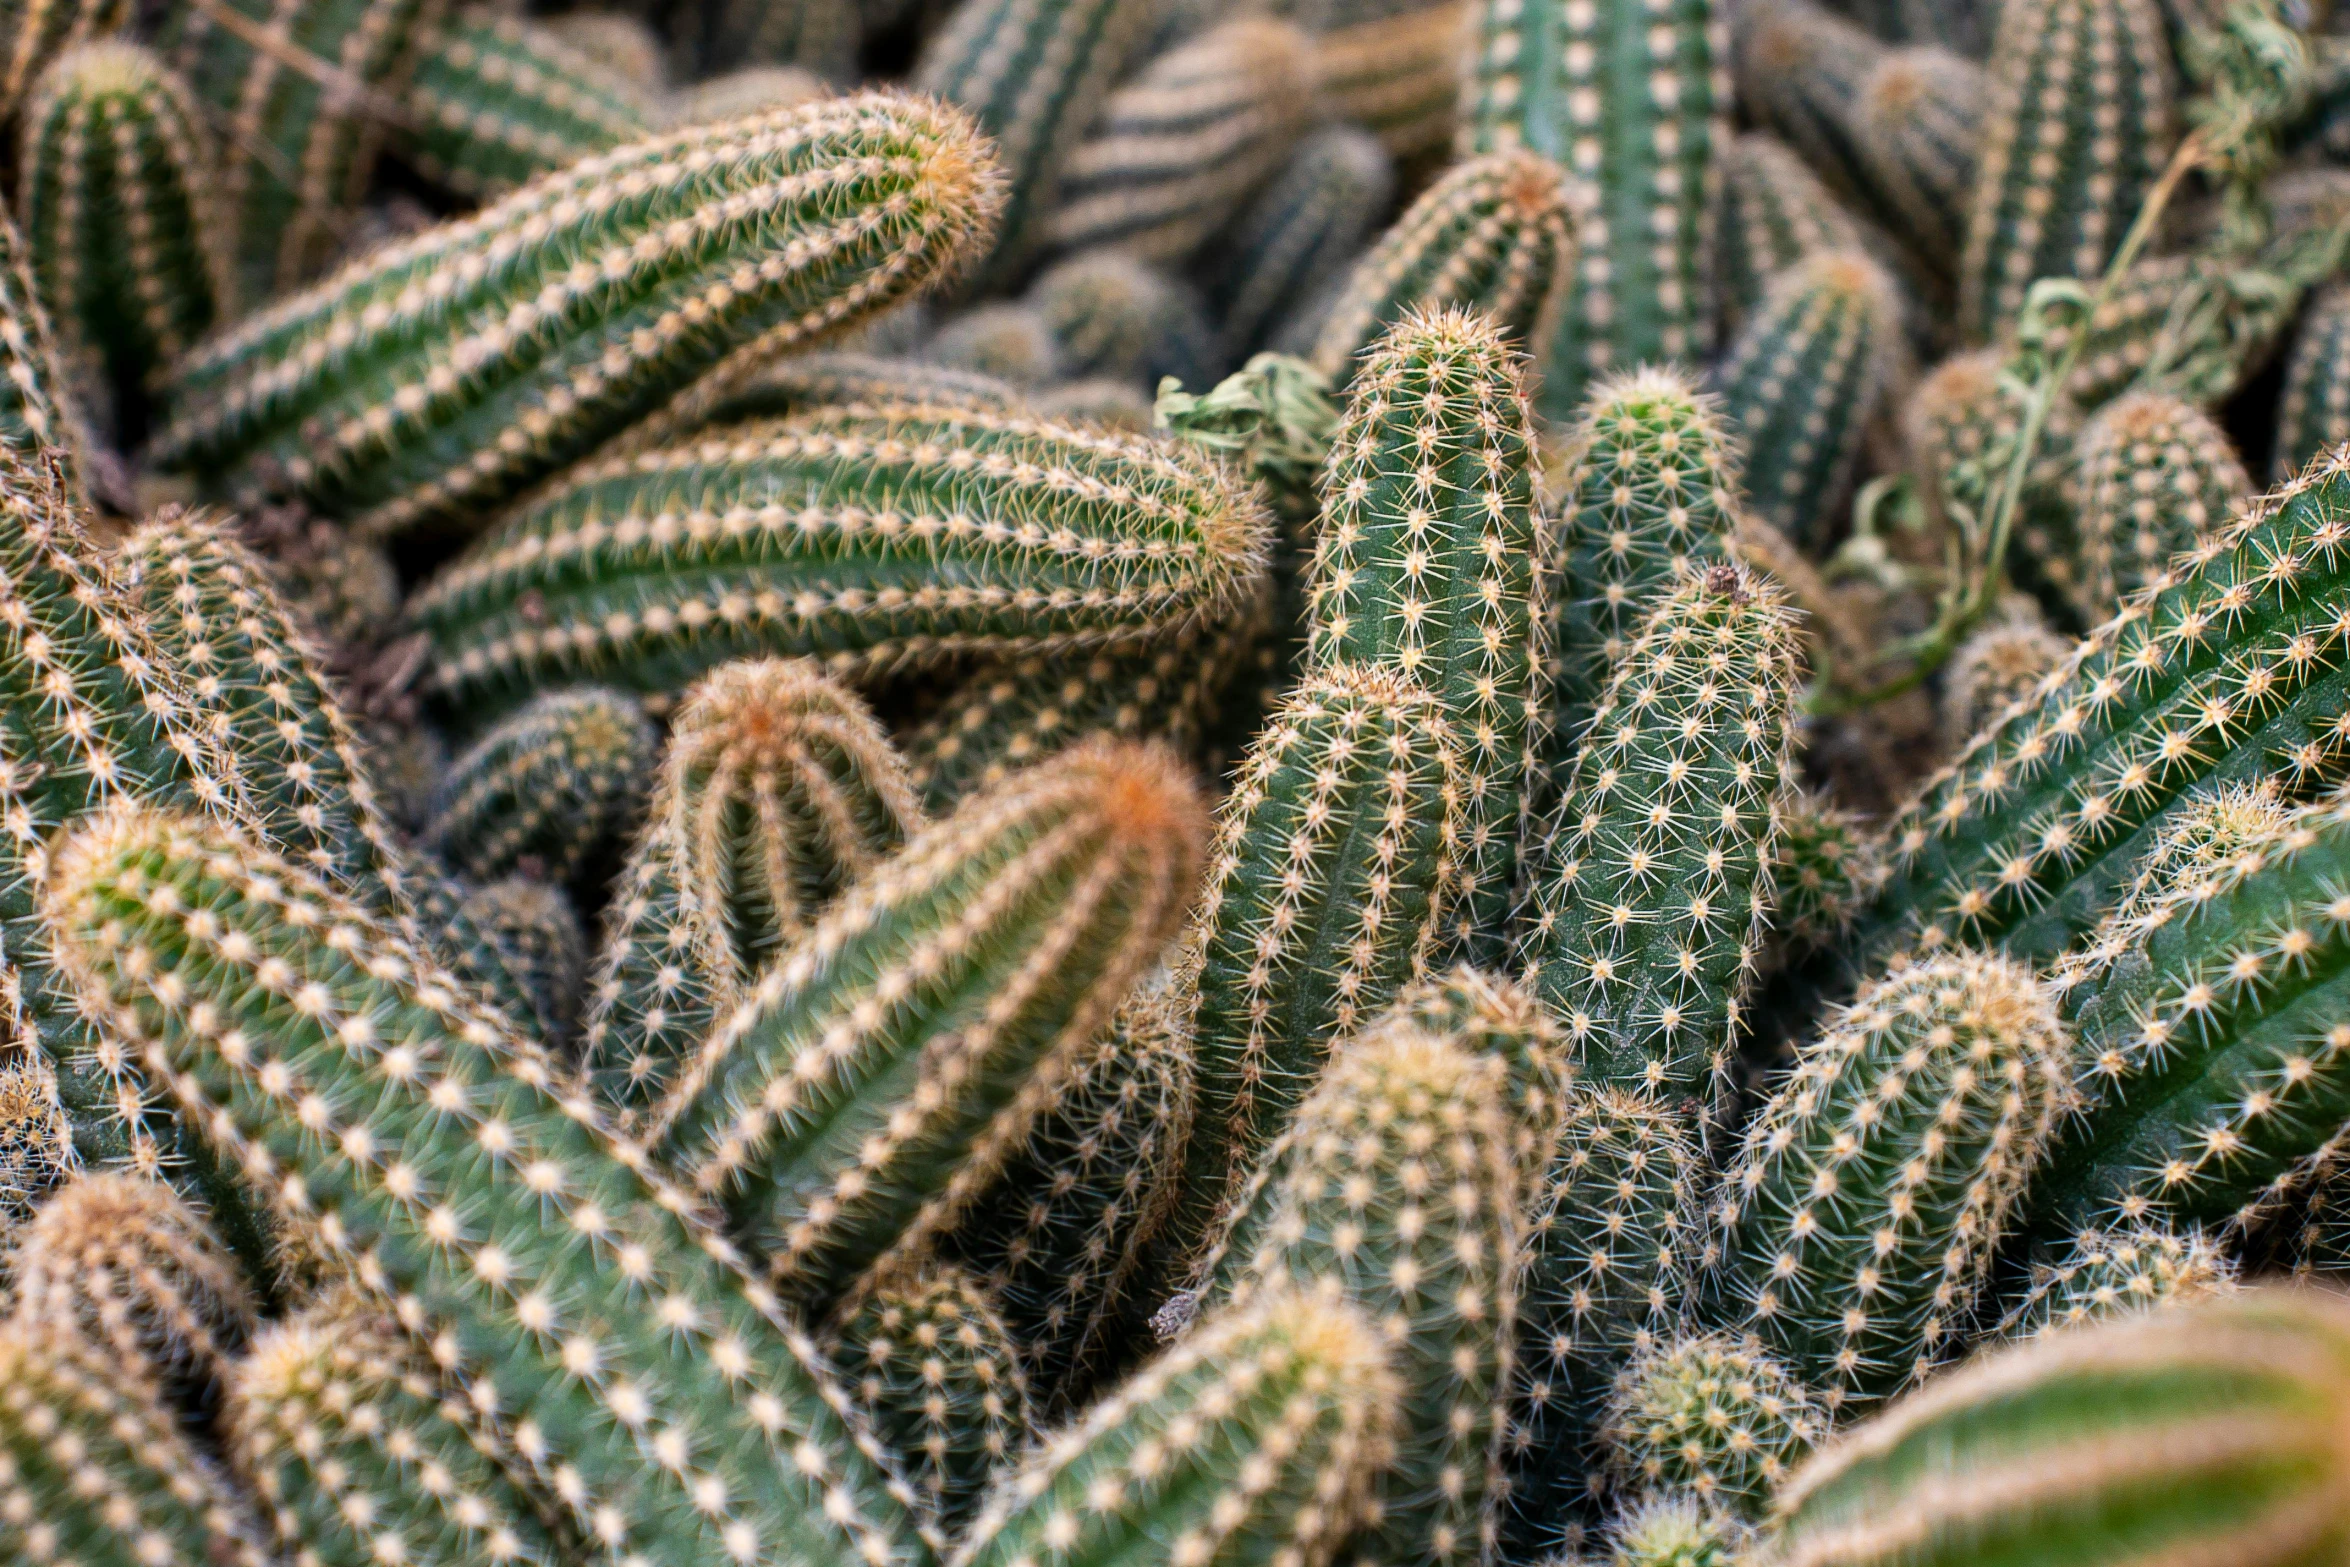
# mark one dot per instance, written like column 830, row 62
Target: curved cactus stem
column 546, row 789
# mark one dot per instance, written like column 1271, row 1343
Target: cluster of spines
column 41, row 30
column 1113, row 314
column 1675, row 1531
column 2313, row 410
column 1496, row 1018
column 1300, row 234
column 2109, row 1273
column 497, row 101
column 38, row 426
column 546, row 789
column 36, row 1144
column 1826, row 863
column 2155, row 474
column 1774, row 213
column 1711, row 1419
column 480, row 955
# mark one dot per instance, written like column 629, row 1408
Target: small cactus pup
column 2215, row 1429
column 96, row 1472
column 360, row 1454
column 1494, row 233
column 38, row 33
column 778, row 791
column 1919, row 123
column 128, row 249
column 2109, row 1273
column 497, row 101
column 344, row 1075
column 929, row 1362
column 547, row 789
column 920, row 532
column 1674, row 1531
column 1856, row 1222
column 1652, row 893
column 36, row 1144
column 438, row 376
column 874, row 1080
column 1394, row 1192
column 2313, row 410
column 1711, row 1419
column 1825, row 864
column 1428, row 561
column 1298, row 237
column 2155, row 474
column 1252, row 1441
column 2001, row 663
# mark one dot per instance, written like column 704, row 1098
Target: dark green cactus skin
column 1632, row 102
column 401, row 1082
column 1709, row 1419
column 2313, row 411
column 1920, row 128
column 497, row 101
column 540, row 942
column 2125, row 329
column 1113, row 315
column 2080, row 122
column 1774, row 213
column 436, row 377
column 1429, row 562
column 2231, row 672
column 2109, row 1273
column 1854, row 1227
column 1800, row 70
column 1392, row 67
column 38, row 31
column 1610, row 1253
column 919, row 532
column 1812, row 368
column 869, row 1086
column 2155, row 474
column 37, row 425
column 1299, row 235
column 803, row 383
column 485, row 957
column 1670, row 808
column 547, row 789
column 1827, row 864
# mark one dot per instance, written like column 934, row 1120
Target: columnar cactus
column 777, row 792
column 1919, row 124
column 1010, row 342
column 2155, row 475
column 2313, row 411
column 547, row 788
column 1997, row 666
column 1300, row 234
column 565, row 1283
column 1392, row 67
column 1497, row 1018
column 540, row 943
column 1494, row 233
column 2135, row 319
column 36, row 1145
column 756, row 89
column 1856, row 1223
column 1652, row 894
column 1961, row 425
column 1706, row 1417
column 41, row 30
column 1826, row 864
column 502, row 976
column 359, row 1453
column 438, row 376
column 623, row 45
column 1774, row 213
column 497, row 101
column 872, row 1083
column 1801, row 68
column 2107, row 1273
column 128, row 249
column 1111, row 314
column 919, row 532
column 2216, row 1428
column 803, row 383
column 37, row 425
column 1252, row 1441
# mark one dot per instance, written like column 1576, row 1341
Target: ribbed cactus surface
column 38, row 31
column 498, row 101
column 2313, row 410
column 36, row 1144
column 1708, row 1418
column 2155, row 475
column 546, row 788
column 1299, row 236
column 1919, row 124
column 1112, row 314
column 2110, row 1273
column 1774, row 212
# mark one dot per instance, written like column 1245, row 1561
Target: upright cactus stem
column 1801, row 69
column 541, row 946
column 1859, row 1217
column 1113, row 315
column 1707, row 1418
column 1774, row 213
column 2313, row 410
column 1996, row 667
column 37, row 424
column 437, row 377
column 1920, row 128
column 1652, row 895
column 498, row 101
column 2155, row 475
column 2111, row 1273
column 545, row 791
column 1299, row 236
column 1826, row 865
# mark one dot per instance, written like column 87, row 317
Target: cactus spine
column 2313, row 411
column 1710, row 1419
column 1672, row 1531
column 1857, row 1221
column 778, row 791
column 2156, row 474
column 1826, row 864
column 546, row 789
column 2107, row 1273
column 36, row 1145
column 438, row 376
column 1801, row 69
column 498, row 101
column 1300, row 234
column 37, row 426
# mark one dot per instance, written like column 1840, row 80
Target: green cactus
column 2313, row 410
column 821, row 37
column 1855, row 1225
column 1609, row 1254
column 2137, row 317
column 1105, row 401
column 438, row 376
column 930, row 1364
column 541, row 944
column 459, row 1174
column 1250, row 1443
column 2107, row 1273
column 2154, row 475
column 1822, row 871
column 1006, row 342
column 128, row 249
column 2213, row 1429
column 1677, row 1532
column 1392, row 67
column 94, row 1471
column 1960, row 426
column 1816, row 364
column 1427, row 562
column 1710, row 1419
column 38, row 425
column 1497, row 1018
column 406, row 760
column 1652, row 895
column 1300, row 234
column 2318, row 1243
column 622, row 45
column 778, row 791
column 1633, row 103
column 1394, row 1191
column 974, row 533
column 345, row 591
column 1493, row 233
column 38, row 31
column 484, row 956
column 547, row 789
column 1800, row 71
column 1111, row 314
column 496, row 101
column 806, row 383
column 361, row 1455
column 1919, row 126
column 2203, row 837
column 36, row 1145
column 872, row 1083
column 2005, row 662
column 2080, row 121
column 1774, row 213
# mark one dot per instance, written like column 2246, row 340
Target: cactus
column 484, row 956
column 941, row 1004
column 818, row 36
column 39, row 32
column 358, row 1085
column 1251, row 1442
column 778, row 791
column 1811, row 370
column 1033, row 74
column 1005, row 342
column 620, row 45
column 1919, row 125
column 1300, row 234
column 2080, row 121
column 344, row 591
column 547, row 789
column 1191, row 136
column 1493, row 233
column 1499, row 1019
column 1392, row 67
column 2003, row 663
column 1638, row 144
column 977, row 533
column 441, row 375
column 1676, row 1532
column 1652, row 895
column 2155, row 475
column 1609, row 1255
column 36, row 1146
column 1774, row 213
column 1822, row 871
column 541, row 944
column 932, row 1366
column 1859, row 1217
column 2105, row 1274
column 1427, row 563
column 805, row 383
column 1112, row 315
column 497, row 101
column 128, row 250
column 38, row 426
column 1710, row 1419
column 757, row 89
column 1326, row 893
column 2313, row 411
column 2213, row 1429
column 1103, row 401
column 1801, row 70
column 1960, row 427
column 406, row 761
column 359, row 1454
column 2136, row 318
column 95, row 1472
